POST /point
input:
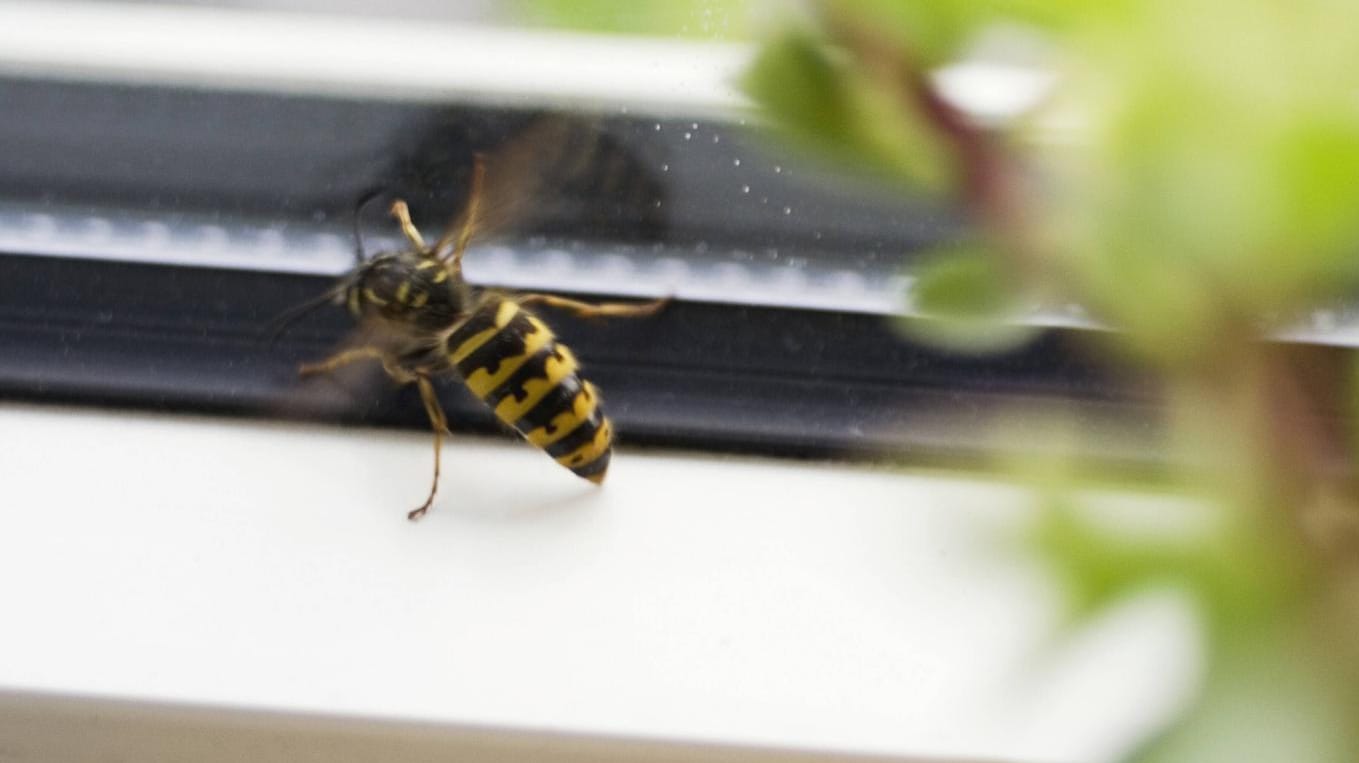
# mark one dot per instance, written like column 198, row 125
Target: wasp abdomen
column 513, row 362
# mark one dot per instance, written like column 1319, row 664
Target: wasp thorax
column 408, row 288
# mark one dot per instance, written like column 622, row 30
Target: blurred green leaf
column 1212, row 182
column 798, row 83
column 1239, row 576
column 963, row 284
column 962, row 302
column 1064, row 15
column 819, row 100
column 717, row 19
column 1210, row 185
column 1098, row 569
column 938, row 32
column 1267, row 698
column 929, row 33
column 1317, row 166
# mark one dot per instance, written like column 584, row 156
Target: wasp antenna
column 366, row 198
column 284, row 320
column 460, row 235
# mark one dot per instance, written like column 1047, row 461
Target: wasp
column 421, row 319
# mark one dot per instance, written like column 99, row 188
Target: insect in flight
column 420, row 319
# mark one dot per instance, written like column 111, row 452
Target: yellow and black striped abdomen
column 512, row 361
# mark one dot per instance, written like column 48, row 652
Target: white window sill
column 269, row 567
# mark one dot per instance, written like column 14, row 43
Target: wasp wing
column 568, row 175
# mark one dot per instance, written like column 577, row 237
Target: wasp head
column 408, row 289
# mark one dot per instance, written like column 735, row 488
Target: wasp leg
column 354, row 355
column 439, row 421
column 402, row 213
column 604, row 310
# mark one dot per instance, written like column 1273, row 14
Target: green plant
column 1191, row 178
column 1207, row 197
